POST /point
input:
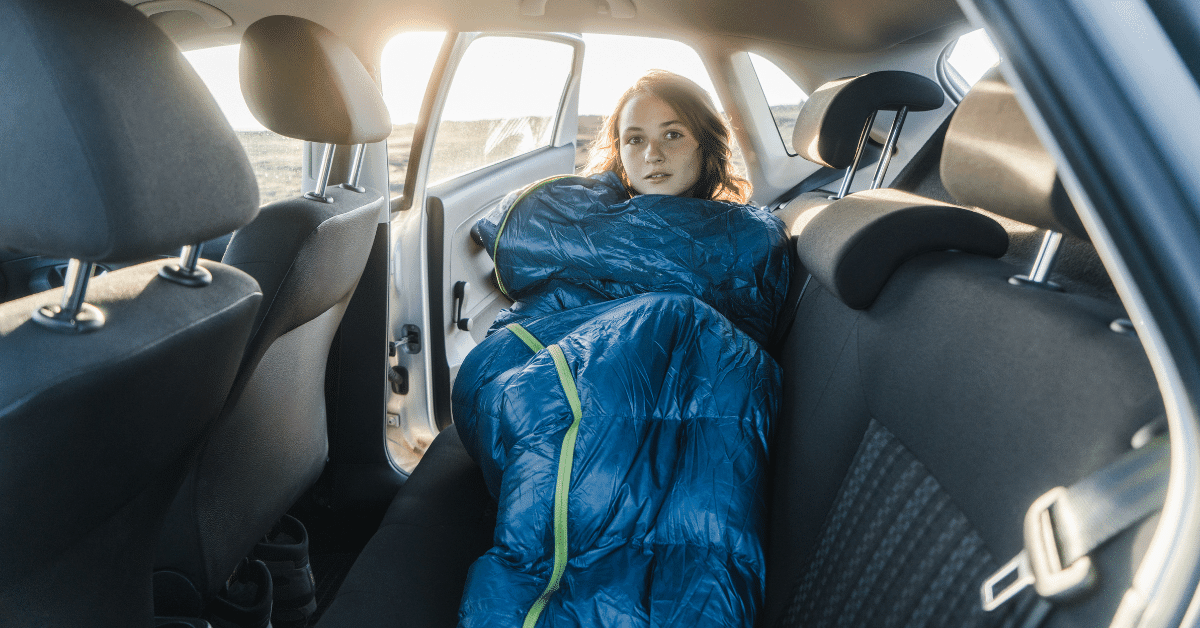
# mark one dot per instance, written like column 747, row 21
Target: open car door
column 500, row 113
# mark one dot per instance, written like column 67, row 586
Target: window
column 406, row 65
column 276, row 159
column 503, row 102
column 611, row 66
column 784, row 97
column 964, row 61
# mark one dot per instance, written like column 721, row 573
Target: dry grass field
column 277, row 160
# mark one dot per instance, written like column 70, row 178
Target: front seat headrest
column 113, row 149
column 993, row 159
column 302, row 81
column 831, row 121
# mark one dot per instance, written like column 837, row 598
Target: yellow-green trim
column 562, row 487
column 504, row 221
column 524, row 335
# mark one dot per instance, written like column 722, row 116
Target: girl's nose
column 653, row 152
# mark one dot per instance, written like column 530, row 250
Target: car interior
column 187, row 373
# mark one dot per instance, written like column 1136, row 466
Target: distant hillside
column 277, row 159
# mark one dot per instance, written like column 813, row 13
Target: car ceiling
column 838, row 26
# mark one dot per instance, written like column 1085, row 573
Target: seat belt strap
column 1063, row 526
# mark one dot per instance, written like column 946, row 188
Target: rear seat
column 923, row 418
column 928, row 403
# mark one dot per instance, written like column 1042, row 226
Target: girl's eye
column 634, row 140
column 674, row 135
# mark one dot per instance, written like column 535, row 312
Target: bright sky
column 611, row 64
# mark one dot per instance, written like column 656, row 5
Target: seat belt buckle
column 1040, row 563
column 1052, row 580
column 1013, row 576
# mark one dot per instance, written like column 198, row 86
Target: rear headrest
column 852, row 246
column 831, row 120
column 301, row 81
column 113, row 149
column 992, row 159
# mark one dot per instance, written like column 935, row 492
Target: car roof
column 832, row 26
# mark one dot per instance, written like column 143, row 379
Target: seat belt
column 1063, row 526
column 791, row 305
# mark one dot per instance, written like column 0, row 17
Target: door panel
column 500, row 113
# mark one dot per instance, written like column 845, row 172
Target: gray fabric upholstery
column 96, row 432
column 306, row 255
column 993, row 159
column 831, row 120
column 301, row 81
column 1001, row 392
column 114, row 150
column 271, row 443
column 897, row 551
column 853, row 245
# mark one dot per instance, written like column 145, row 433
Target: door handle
column 460, row 296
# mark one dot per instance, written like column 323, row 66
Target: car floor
column 335, row 539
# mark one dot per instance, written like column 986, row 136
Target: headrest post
column 1042, row 264
column 356, row 170
column 72, row 315
column 886, row 158
column 858, row 153
column 318, row 194
column 187, row 272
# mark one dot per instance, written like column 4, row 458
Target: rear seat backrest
column 918, row 428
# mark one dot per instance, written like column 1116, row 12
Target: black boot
column 245, row 602
column 285, row 552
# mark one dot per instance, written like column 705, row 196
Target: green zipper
column 562, row 486
column 504, row 221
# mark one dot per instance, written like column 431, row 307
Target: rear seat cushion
column 413, row 570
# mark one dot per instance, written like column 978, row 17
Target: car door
column 500, row 112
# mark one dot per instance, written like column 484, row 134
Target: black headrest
column 853, row 246
column 993, row 159
column 113, row 149
column 301, row 81
column 831, row 120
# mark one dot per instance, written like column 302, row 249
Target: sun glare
column 218, row 68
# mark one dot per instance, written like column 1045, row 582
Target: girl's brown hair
column 718, row 181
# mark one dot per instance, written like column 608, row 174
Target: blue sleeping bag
column 621, row 409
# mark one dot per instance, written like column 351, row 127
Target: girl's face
column 659, row 154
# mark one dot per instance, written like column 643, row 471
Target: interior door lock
column 460, row 296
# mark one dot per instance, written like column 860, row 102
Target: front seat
column 113, row 151
column 307, row 253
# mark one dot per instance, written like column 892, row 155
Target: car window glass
column 614, row 62
column 503, row 102
column 784, row 97
column 972, row 55
column 276, row 159
column 404, row 67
